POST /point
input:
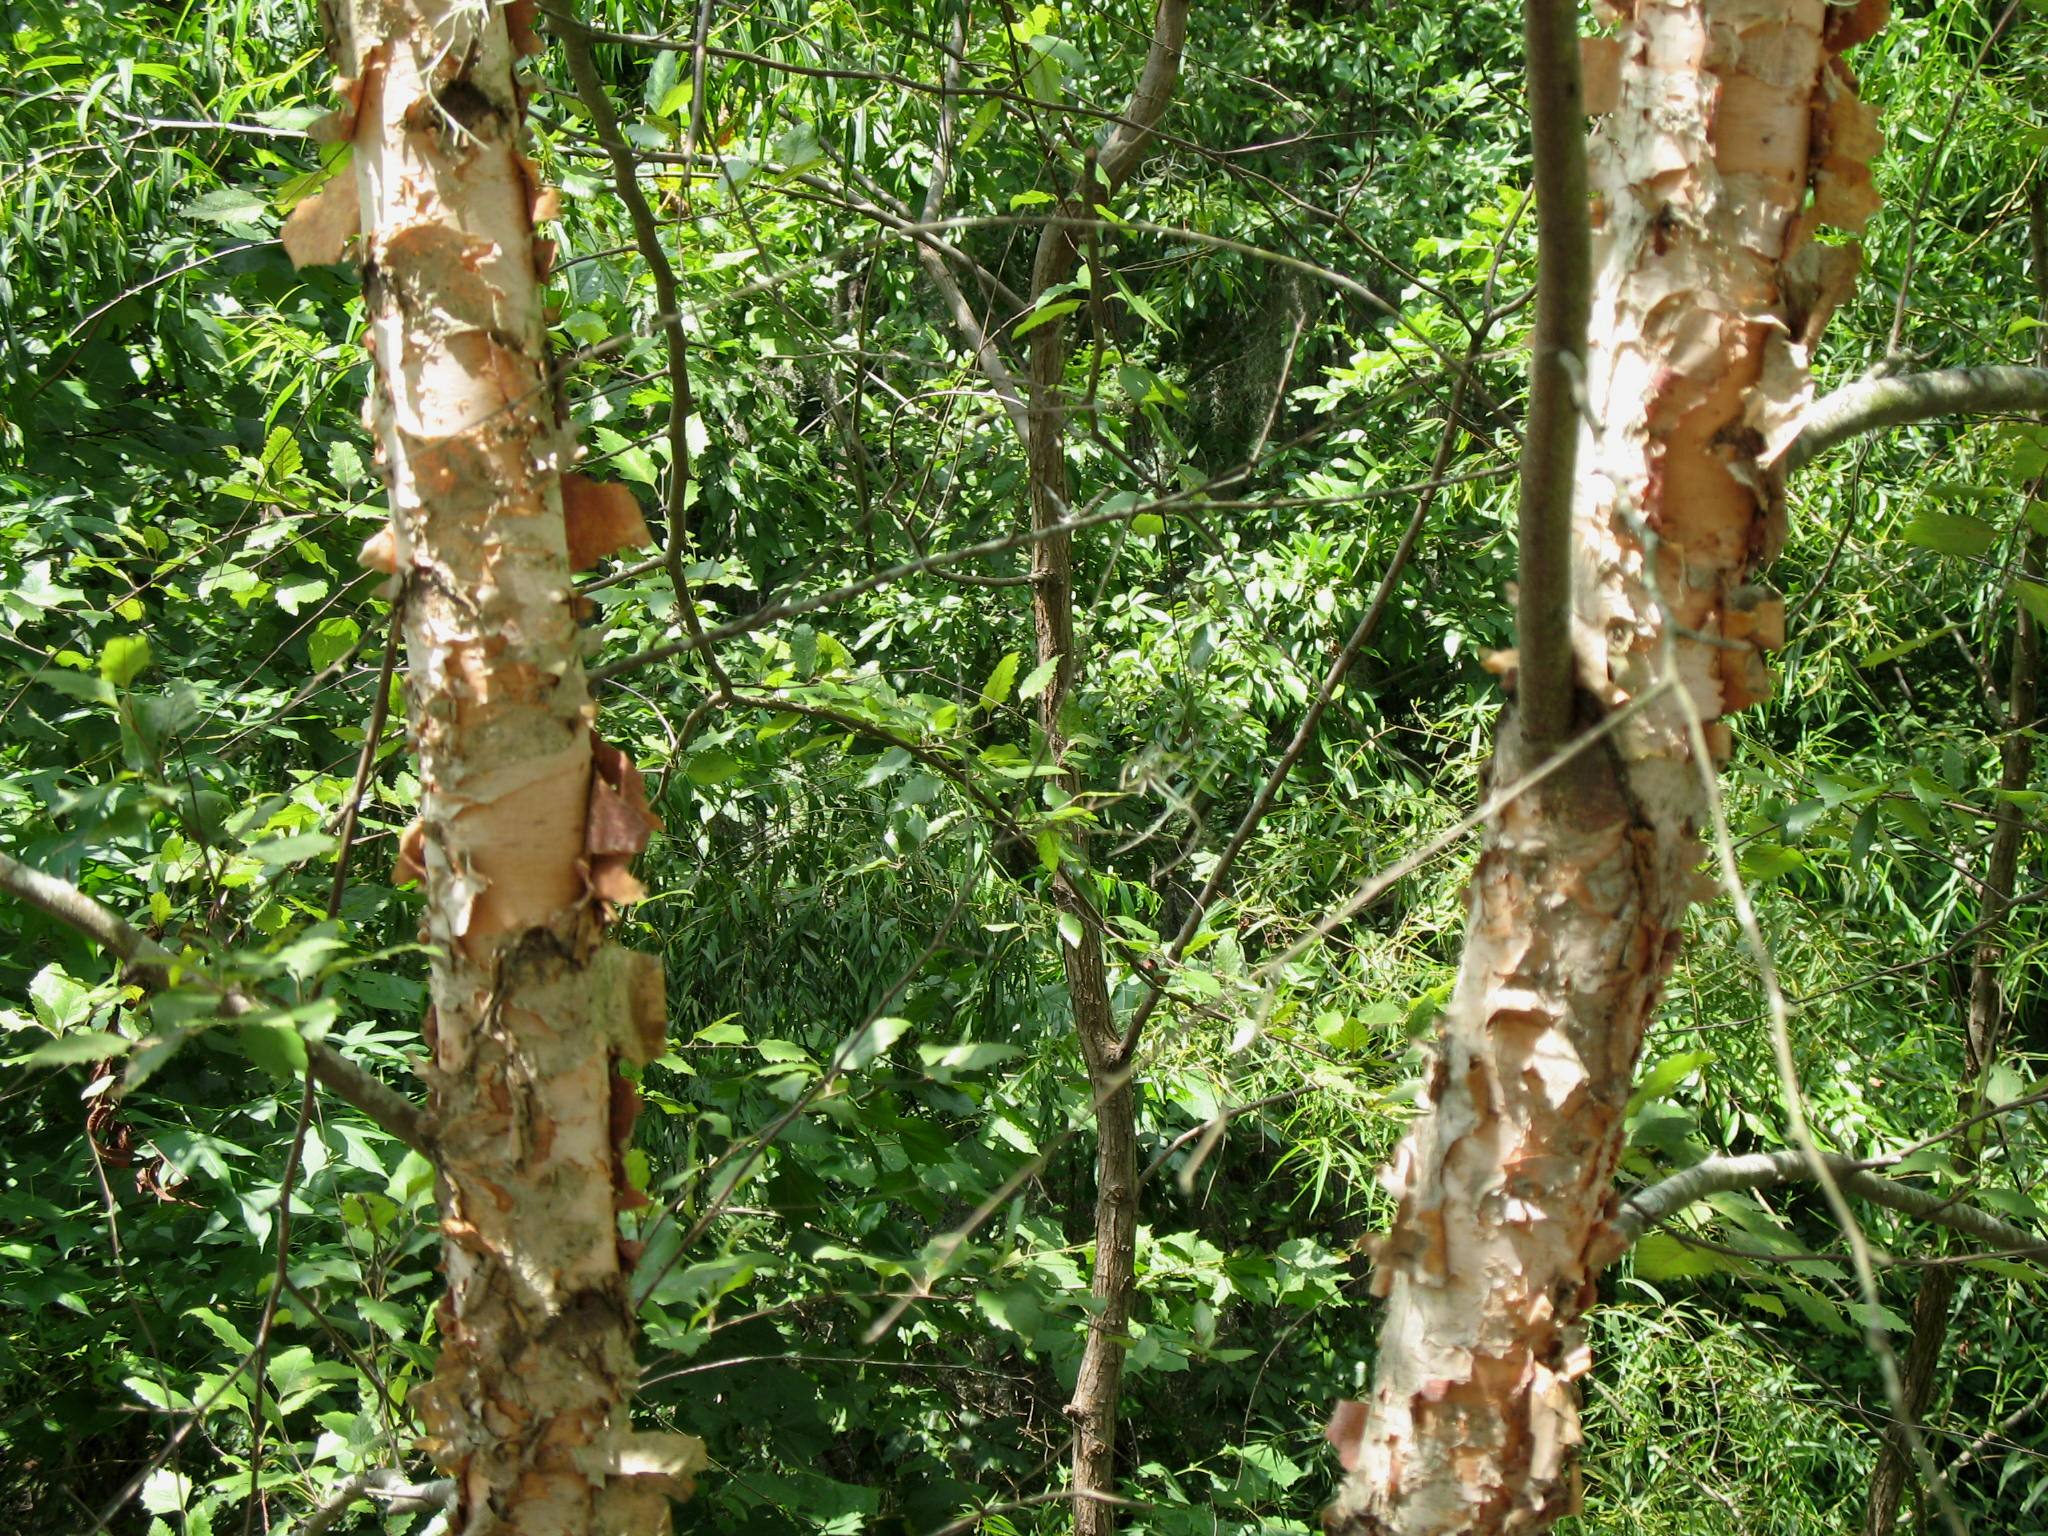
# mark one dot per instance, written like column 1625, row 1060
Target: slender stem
column 1550, row 445
column 151, row 963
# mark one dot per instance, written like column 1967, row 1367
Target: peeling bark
column 527, row 821
column 1708, row 292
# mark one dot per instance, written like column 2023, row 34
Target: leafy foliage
column 864, row 1278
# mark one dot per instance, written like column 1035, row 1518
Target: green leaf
column 59, row 998
column 942, row 1061
column 345, row 463
column 230, row 205
column 94, row 690
column 1667, row 1075
column 2012, row 1203
column 296, row 849
column 713, row 767
column 871, row 1042
column 1148, row 525
column 2034, row 598
column 1070, row 930
column 1341, row 1032
column 294, row 595
column 1045, row 314
column 281, row 454
column 1015, row 1310
column 1031, row 199
column 1950, row 533
column 78, row 1047
column 276, row 1048
column 996, row 690
column 331, row 639
column 1036, row 680
column 1765, row 862
column 1660, row 1256
column 123, row 659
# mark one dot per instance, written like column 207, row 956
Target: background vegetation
column 869, row 1032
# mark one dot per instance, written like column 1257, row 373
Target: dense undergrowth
column 192, row 653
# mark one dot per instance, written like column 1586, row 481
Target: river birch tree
column 1730, row 136
column 528, row 819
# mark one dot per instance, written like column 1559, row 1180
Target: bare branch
column 1550, row 443
column 1646, row 1208
column 391, row 1489
column 1872, row 405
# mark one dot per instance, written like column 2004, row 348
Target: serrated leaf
column 75, row 1049
column 123, row 659
column 1036, row 680
column 94, row 690
column 281, row 454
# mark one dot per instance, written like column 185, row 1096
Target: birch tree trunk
column 1732, row 132
column 527, row 820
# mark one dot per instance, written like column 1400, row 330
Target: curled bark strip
column 603, row 517
column 1725, row 114
column 527, row 822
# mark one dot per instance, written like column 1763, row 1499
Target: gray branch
column 1647, row 1208
column 149, row 962
column 392, row 1489
column 1872, row 405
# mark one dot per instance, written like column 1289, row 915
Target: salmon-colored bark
column 527, row 820
column 1732, row 134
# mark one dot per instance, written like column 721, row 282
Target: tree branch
column 682, row 404
column 1871, row 405
column 1550, row 443
column 397, row 1494
column 1647, row 1208
column 149, row 962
